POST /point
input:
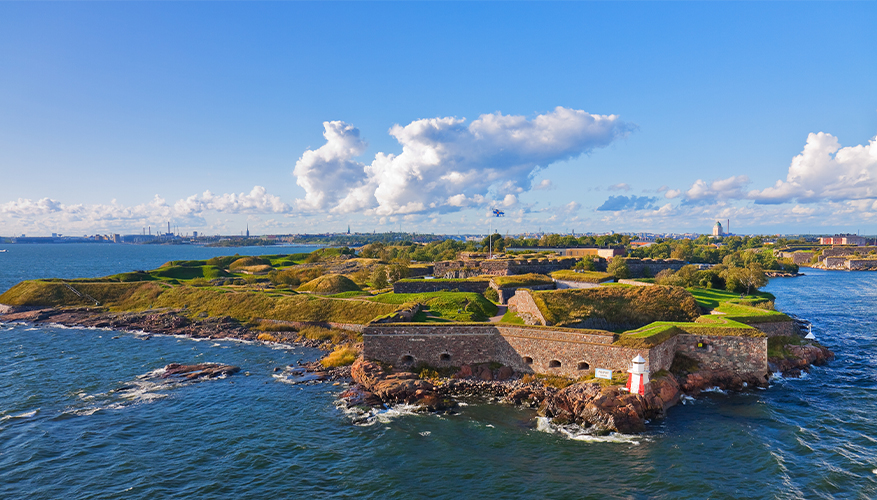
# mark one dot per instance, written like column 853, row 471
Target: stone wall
column 861, row 264
column 506, row 267
column 777, row 328
column 506, row 293
column 835, row 262
column 846, row 251
column 637, row 266
column 424, row 286
column 738, row 354
column 549, row 351
column 418, row 271
column 523, row 304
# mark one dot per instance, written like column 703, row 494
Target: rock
column 504, row 373
column 203, row 370
column 465, row 372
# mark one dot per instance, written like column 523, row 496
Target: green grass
column 456, row 306
column 711, row 298
column 620, row 305
column 511, row 318
column 582, row 277
column 522, row 280
column 348, row 295
column 248, row 306
column 776, row 346
column 330, row 284
column 659, row 331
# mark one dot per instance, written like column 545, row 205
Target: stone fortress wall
column 551, row 351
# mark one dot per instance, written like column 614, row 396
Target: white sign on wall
column 603, row 373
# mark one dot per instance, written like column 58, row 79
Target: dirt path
column 499, row 314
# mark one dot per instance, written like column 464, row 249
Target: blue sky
column 585, row 116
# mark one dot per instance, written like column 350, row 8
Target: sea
column 84, row 415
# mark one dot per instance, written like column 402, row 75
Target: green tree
column 618, row 267
column 379, row 277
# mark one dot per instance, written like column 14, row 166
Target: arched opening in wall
column 407, row 359
column 528, row 360
column 444, row 357
column 584, row 366
column 554, row 364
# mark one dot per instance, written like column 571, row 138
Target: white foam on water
column 374, row 416
column 578, row 433
column 686, row 399
column 26, row 414
column 425, row 433
column 874, row 471
column 714, row 389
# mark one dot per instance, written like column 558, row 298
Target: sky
column 295, row 117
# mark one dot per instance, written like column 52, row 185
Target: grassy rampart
column 241, row 305
column 620, row 305
column 522, row 280
column 582, row 277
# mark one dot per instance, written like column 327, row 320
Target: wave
column 371, row 416
column 26, row 414
column 578, row 433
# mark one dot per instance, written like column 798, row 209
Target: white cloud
column 256, row 201
column 825, row 171
column 544, row 185
column 445, row 164
column 622, row 186
column 48, row 214
column 329, row 173
column 723, row 189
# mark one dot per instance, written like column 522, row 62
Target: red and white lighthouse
column 639, row 376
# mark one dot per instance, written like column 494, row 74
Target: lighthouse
column 639, row 376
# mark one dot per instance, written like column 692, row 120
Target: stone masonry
column 551, row 351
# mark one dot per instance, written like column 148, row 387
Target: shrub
column 379, row 277
column 618, row 267
column 341, row 356
column 491, row 295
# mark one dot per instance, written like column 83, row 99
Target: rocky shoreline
column 164, row 322
column 590, row 404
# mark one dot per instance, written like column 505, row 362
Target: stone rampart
column 834, row 262
column 638, row 267
column 436, row 285
column 777, row 328
column 738, row 354
column 861, row 264
column 523, row 304
column 506, row 293
column 550, row 351
column 565, row 284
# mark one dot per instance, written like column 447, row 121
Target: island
column 588, row 336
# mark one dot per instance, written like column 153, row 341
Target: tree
column 753, row 277
column 618, row 267
column 397, row 272
column 379, row 277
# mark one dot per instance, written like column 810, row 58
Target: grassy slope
column 330, row 284
column 641, row 305
column 520, row 280
column 583, row 277
column 471, row 306
column 244, row 306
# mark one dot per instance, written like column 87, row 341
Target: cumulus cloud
column 621, row 202
column 258, row 200
column 826, row 171
column 622, row 186
column 710, row 192
column 445, row 164
column 49, row 213
column 544, row 185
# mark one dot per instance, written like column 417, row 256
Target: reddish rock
column 504, row 373
column 400, row 387
column 465, row 372
column 203, row 370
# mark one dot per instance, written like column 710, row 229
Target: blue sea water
column 80, row 417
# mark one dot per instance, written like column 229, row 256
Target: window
column 407, row 359
column 554, row 364
column 445, row 356
column 584, row 366
column 528, row 360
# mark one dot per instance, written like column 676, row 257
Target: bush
column 618, row 268
column 341, row 356
column 491, row 295
column 379, row 277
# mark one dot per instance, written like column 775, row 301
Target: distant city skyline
column 309, row 117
